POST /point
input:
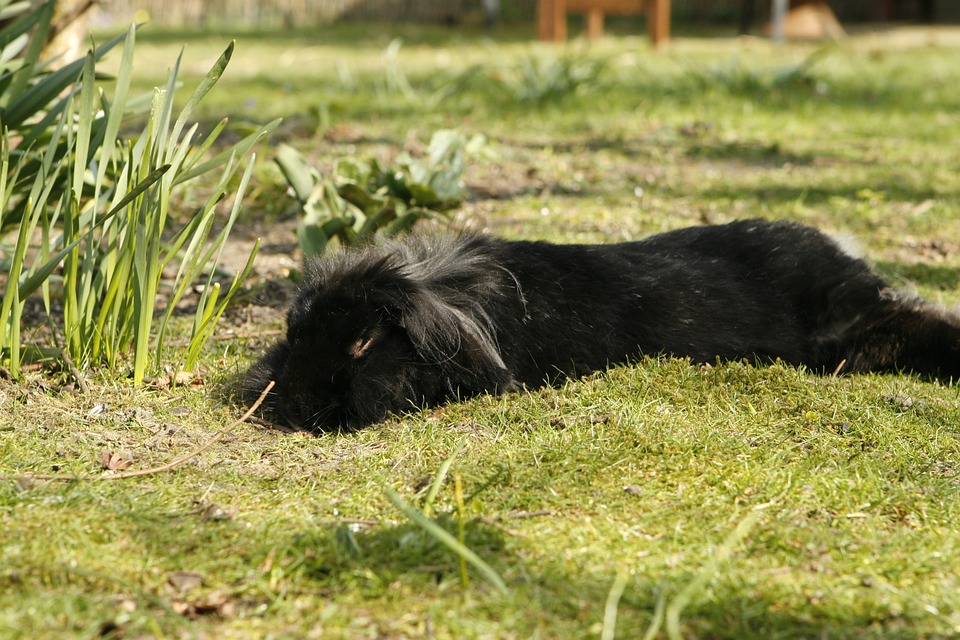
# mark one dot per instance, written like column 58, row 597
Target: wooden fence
column 292, row 12
column 312, row 12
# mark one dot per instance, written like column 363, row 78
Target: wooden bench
column 552, row 16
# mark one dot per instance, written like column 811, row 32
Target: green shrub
column 90, row 207
column 736, row 77
column 362, row 198
column 546, row 79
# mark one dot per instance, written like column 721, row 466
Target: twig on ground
column 153, row 470
column 519, row 515
column 840, row 366
column 245, row 335
column 359, row 521
column 262, row 333
column 497, row 521
column 76, row 373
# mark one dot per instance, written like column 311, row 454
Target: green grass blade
column 85, row 116
column 115, row 111
column 161, row 112
column 32, row 283
column 442, row 536
column 192, row 259
column 12, row 306
column 145, row 271
column 39, row 23
column 437, row 483
column 42, row 128
column 6, row 179
column 17, row 27
column 205, row 328
column 709, row 571
column 239, row 149
column 38, row 96
column 658, row 612
column 295, row 170
column 196, row 154
column 609, row 629
column 147, row 182
column 202, row 89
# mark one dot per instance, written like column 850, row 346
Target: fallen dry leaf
column 176, row 378
column 162, row 383
column 114, row 461
column 634, row 489
column 183, row 581
column 96, row 410
column 181, row 607
column 213, row 511
column 25, row 483
column 268, row 561
column 126, row 604
column 215, row 602
column 187, row 378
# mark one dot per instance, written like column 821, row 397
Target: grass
column 739, row 501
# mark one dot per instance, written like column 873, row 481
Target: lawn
column 658, row 500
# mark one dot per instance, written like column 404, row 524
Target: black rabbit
column 426, row 319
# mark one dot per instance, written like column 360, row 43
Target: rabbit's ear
column 461, row 341
column 365, row 341
column 359, row 347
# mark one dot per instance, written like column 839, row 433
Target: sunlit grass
column 638, row 478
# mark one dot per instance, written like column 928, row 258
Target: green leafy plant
column 394, row 78
column 91, row 210
column 34, row 140
column 362, row 198
column 538, row 78
column 33, row 98
column 542, row 79
column 734, row 76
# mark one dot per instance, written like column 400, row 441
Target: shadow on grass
column 750, row 152
column 339, row 553
column 939, row 277
column 355, row 35
column 376, row 560
column 376, row 570
column 777, row 195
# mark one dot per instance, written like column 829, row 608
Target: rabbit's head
column 371, row 335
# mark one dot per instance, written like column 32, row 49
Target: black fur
column 427, row 319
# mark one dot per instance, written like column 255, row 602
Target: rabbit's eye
column 360, row 346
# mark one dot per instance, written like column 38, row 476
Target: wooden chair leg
column 658, row 21
column 552, row 20
column 594, row 24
